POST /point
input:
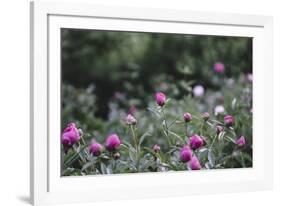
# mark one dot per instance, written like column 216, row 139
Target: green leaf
column 211, row 158
column 103, row 168
column 143, row 137
column 177, row 137
column 233, row 103
column 89, row 164
column 154, row 111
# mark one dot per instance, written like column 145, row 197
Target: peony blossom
column 187, row 117
column 160, row 98
column 228, row 120
column 241, row 141
column 218, row 110
column 185, row 154
column 131, row 120
column 70, row 135
column 95, row 149
column 65, row 140
column 198, row 91
column 196, row 142
column 194, row 163
column 112, row 142
column 219, row 67
column 156, row 148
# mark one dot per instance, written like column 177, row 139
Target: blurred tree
column 138, row 64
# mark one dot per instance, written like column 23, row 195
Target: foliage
column 220, row 151
column 108, row 75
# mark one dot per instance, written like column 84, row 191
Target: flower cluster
column 185, row 150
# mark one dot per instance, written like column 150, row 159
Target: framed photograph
column 142, row 102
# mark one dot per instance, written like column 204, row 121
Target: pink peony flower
column 131, row 120
column 185, row 154
column 196, row 142
column 70, row 135
column 194, row 163
column 198, row 91
column 65, row 140
column 228, row 120
column 241, row 141
column 160, row 98
column 112, row 142
column 95, row 149
column 219, row 129
column 156, row 148
column 187, row 117
column 219, row 67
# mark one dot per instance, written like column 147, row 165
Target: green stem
column 134, row 136
column 186, row 127
column 164, row 118
column 201, row 128
column 166, row 126
column 136, row 146
column 213, row 142
column 242, row 160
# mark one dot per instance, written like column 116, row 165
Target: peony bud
column 241, row 141
column 131, row 120
column 219, row 67
column 95, row 149
column 219, row 129
column 185, row 154
column 194, row 163
column 112, row 142
column 196, row 142
column 187, row 117
column 116, row 155
column 228, row 120
column 160, row 98
column 156, row 148
column 205, row 116
column 70, row 135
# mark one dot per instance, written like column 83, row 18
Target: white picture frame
column 47, row 186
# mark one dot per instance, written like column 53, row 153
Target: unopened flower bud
column 241, row 141
column 205, row 116
column 112, row 142
column 219, row 129
column 194, row 163
column 95, row 149
column 160, row 98
column 187, row 117
column 196, row 142
column 116, row 155
column 156, row 148
column 131, row 120
column 185, row 154
column 228, row 120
